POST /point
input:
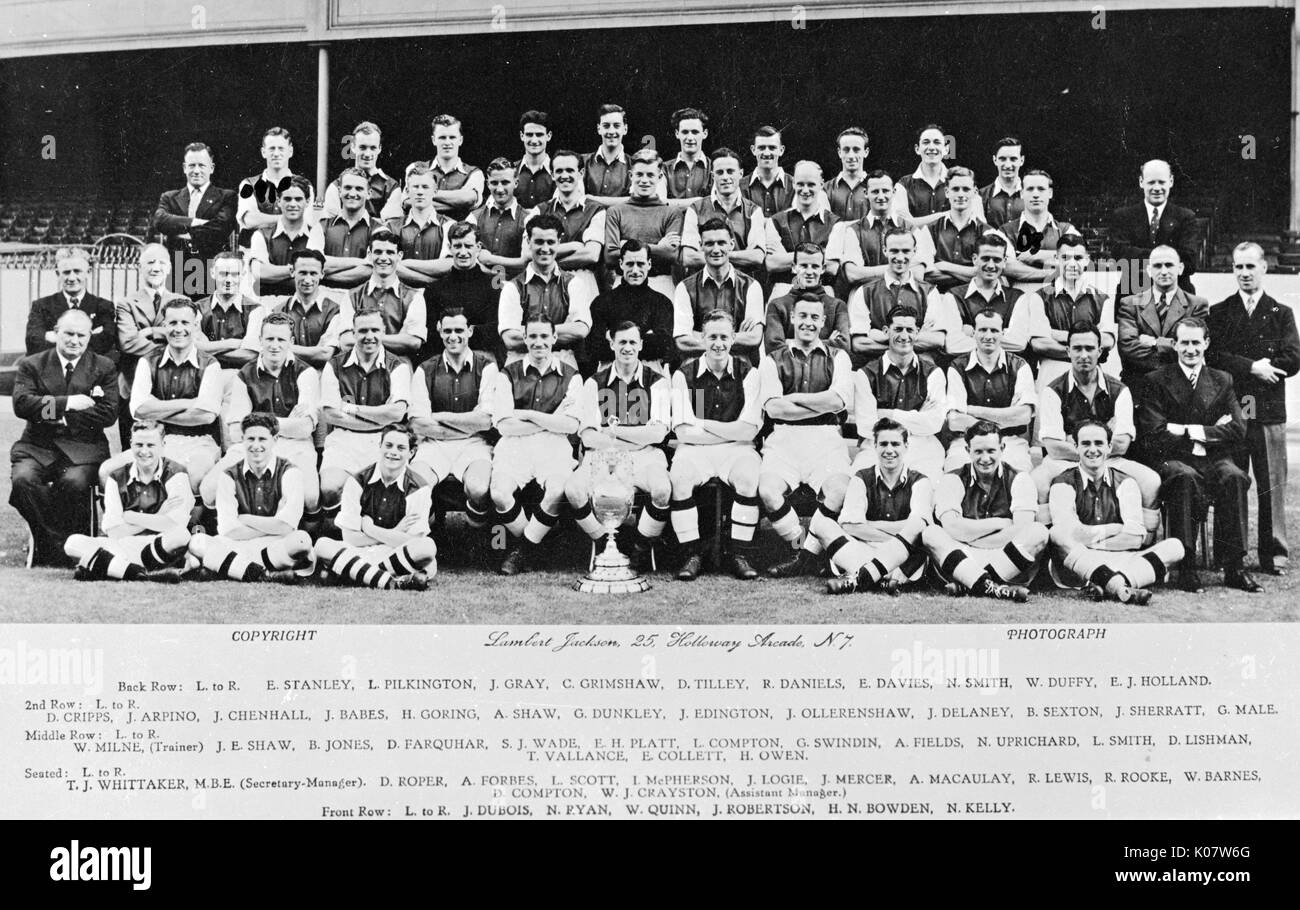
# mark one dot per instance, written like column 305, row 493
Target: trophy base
column 612, row 574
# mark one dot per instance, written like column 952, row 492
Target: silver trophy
column 611, row 503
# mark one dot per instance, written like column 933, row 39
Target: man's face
column 226, row 275
column 1093, row 447
column 890, row 449
column 353, row 193
column 146, row 449
column 369, row 331
column 501, row 184
column 1164, row 267
column 464, row 251
column 726, row 176
column 540, row 339
column 395, row 452
column 365, row 150
column 565, row 173
column 807, row 185
column 767, row 151
column 276, row 151
column 644, row 180
column 1036, row 190
column 306, row 277
column 419, row 190
column 986, row 454
column 853, row 152
column 447, row 140
column 612, row 128
column 154, row 267
column 1085, row 353
column 988, row 334
column 1190, row 344
column 1248, row 268
column 627, row 347
column 179, row 323
column 716, row 247
column 383, row 257
column 72, row 274
column 542, row 242
column 902, row 335
column 1072, row 262
column 277, row 343
column 931, row 147
column 961, row 190
column 990, row 261
column 259, row 444
column 1009, row 160
column 534, row 136
column 455, row 332
column 880, row 195
column 198, row 168
column 807, row 271
column 691, row 135
column 72, row 336
column 718, row 338
column 293, row 202
column 899, row 251
column 808, row 318
column 1156, row 182
column 635, row 267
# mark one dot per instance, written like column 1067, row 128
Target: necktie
column 1162, row 307
column 74, row 303
column 67, row 377
column 195, row 198
column 1155, row 224
column 1196, row 374
column 157, row 303
column 1250, row 307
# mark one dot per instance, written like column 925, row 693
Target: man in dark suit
column 73, row 270
column 1189, row 429
column 195, row 222
column 1136, row 230
column 1147, row 320
column 68, row 396
column 1254, row 339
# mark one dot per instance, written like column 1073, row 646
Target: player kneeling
column 259, row 505
column 384, row 518
column 146, row 509
column 886, row 507
column 1097, row 524
column 986, row 540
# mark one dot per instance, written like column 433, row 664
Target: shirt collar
column 998, row 190
column 281, row 231
column 133, row 473
column 1001, row 363
column 307, row 305
column 219, row 304
column 887, row 363
column 65, row 363
column 728, row 276
column 1106, row 479
column 1024, row 219
column 512, row 208
column 947, row 219
column 354, row 361
column 818, row 345
column 717, row 201
column 552, row 365
column 1071, row 383
column 919, row 173
column 530, row 273
column 973, row 289
column 909, row 282
column 545, row 166
column 191, row 357
column 636, row 377
column 262, row 367
column 579, row 199
column 73, row 301
column 378, row 478
column 779, row 178
column 1153, row 209
column 704, row 367
column 1187, row 372
column 200, row 191
column 820, row 213
column 376, row 284
column 1082, row 286
column 446, row 362
column 431, row 219
column 870, row 219
column 702, row 160
column 840, row 178
column 456, row 165
column 620, row 155
column 246, row 468
column 902, row 477
column 363, row 217
column 1247, row 298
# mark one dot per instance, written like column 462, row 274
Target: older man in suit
column 1254, row 338
column 139, row 325
column 68, row 396
column 1147, row 320
column 1136, row 230
column 1189, row 429
column 195, row 222
column 73, row 269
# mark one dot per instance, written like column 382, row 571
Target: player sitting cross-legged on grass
column 146, row 508
column 259, row 505
column 1097, row 526
column 384, row 518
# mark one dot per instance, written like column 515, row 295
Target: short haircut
column 227, row 255
column 767, row 132
column 723, row 152
column 888, row 424
column 538, row 117
column 958, row 170
column 279, row 132
column 179, row 303
column 383, row 235
column 930, row 126
column 852, row 131
column 1071, row 238
column 1006, row 141
column 412, row 441
column 993, row 238
column 719, row 316
column 500, row 164
column 808, row 248
column 989, row 313
column 461, row 229
column 74, row 312
column 899, row 309
column 352, row 172
column 897, row 231
column 606, row 109
column 1084, row 424
column 260, row 419
column 544, row 223
column 1167, row 248
column 689, row 113
column 1038, row 172
column 1248, row 246
column 367, row 311
column 149, row 426
column 301, row 182
column 444, row 120
column 568, row 153
column 879, row 174
column 540, row 316
column 201, row 147
column 452, row 312
column 1084, row 327
column 809, row 162
column 982, row 428
column 279, row 317
column 714, row 224
column 1146, row 164
column 63, row 253
column 623, row 327
column 1192, row 322
column 315, row 255
column 631, row 246
column 365, row 126
column 419, row 169
column 644, row 156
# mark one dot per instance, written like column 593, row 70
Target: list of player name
column 622, row 724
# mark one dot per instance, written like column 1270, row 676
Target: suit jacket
column 1169, row 398
column 41, row 399
column 45, row 312
column 135, row 312
column 172, row 219
column 1137, row 316
column 1130, row 236
column 1237, row 341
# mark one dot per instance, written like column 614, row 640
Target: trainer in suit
column 195, row 222
column 68, row 396
column 1136, row 230
column 1189, row 429
column 1147, row 320
column 1254, row 339
column 73, row 270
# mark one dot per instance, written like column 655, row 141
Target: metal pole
column 322, row 118
column 1293, row 226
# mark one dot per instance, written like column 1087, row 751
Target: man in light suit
column 139, row 325
column 1147, row 320
column 68, row 396
column 73, row 269
column 1136, row 230
column 195, row 222
column 1189, row 429
column 1254, row 339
